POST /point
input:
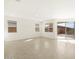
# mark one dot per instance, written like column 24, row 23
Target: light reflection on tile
column 67, row 41
column 40, row 48
column 28, row 40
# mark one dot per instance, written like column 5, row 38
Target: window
column 70, row 29
column 48, row 27
column 12, row 26
column 37, row 28
column 61, row 27
column 66, row 29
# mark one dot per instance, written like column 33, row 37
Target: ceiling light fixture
column 17, row 0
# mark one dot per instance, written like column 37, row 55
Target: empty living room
column 39, row 29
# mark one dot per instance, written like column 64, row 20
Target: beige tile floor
column 40, row 48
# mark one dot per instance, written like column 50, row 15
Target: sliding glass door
column 66, row 30
column 61, row 30
column 70, row 30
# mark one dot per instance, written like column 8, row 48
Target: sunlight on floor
column 28, row 40
column 67, row 41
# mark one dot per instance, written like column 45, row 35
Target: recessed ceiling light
column 18, row 0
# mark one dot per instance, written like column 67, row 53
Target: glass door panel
column 70, row 30
column 61, row 30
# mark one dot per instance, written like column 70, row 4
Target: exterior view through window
column 66, row 29
column 48, row 27
column 37, row 29
column 12, row 26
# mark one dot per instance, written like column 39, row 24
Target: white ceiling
column 40, row 9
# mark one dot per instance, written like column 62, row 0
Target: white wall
column 25, row 29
